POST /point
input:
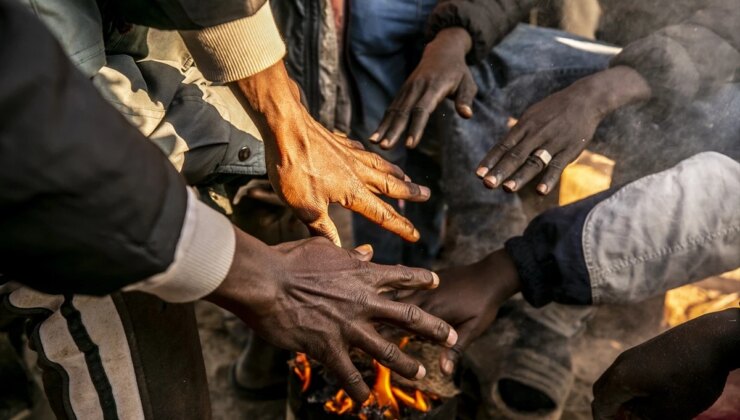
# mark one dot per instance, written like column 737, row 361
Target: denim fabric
column 530, row 64
column 386, row 40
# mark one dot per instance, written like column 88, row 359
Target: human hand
column 442, row 72
column 310, row 167
column 312, row 297
column 561, row 125
column 469, row 298
column 676, row 375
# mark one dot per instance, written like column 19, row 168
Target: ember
column 387, row 401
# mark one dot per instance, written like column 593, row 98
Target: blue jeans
column 386, row 40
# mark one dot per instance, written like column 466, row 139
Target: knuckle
column 440, row 331
column 391, row 353
column 354, row 378
column 362, row 299
column 411, row 315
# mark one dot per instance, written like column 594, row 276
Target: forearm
column 615, row 88
column 630, row 243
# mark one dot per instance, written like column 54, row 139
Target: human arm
column 460, row 32
column 668, row 69
column 563, row 124
column 622, row 245
column 90, row 206
column 676, row 375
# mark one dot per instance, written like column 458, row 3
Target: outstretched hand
column 441, row 73
column 553, row 132
column 310, row 296
column 469, row 298
column 310, row 167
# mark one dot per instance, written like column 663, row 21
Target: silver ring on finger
column 543, row 155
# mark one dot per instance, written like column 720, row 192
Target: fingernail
column 416, row 234
column 425, row 191
column 467, row 111
column 481, row 172
column 435, row 280
column 447, row 367
column 406, row 178
column 409, row 141
column 542, row 189
column 491, row 181
column 374, row 137
column 385, row 143
column 451, row 338
column 510, row 185
column 422, row 372
column 366, row 249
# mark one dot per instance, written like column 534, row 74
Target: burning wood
column 388, row 399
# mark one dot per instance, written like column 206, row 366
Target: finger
column 512, row 160
column 465, row 96
column 419, row 120
column 396, row 128
column 449, row 358
column 375, row 161
column 531, row 167
column 397, row 113
column 351, row 379
column 424, row 107
column 383, row 214
column 388, row 354
column 496, row 153
column 404, row 278
column 363, row 253
column 552, row 173
column 413, row 319
column 323, row 226
column 388, row 185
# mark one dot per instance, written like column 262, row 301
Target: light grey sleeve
column 665, row 230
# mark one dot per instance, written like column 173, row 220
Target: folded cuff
column 237, row 49
column 202, row 259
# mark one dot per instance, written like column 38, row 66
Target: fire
column 303, row 370
column 384, row 395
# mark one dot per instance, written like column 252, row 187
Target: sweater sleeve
column 694, row 57
column 487, row 21
column 627, row 244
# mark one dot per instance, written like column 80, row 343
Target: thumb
column 363, row 253
column 449, row 358
column 323, row 226
column 465, row 95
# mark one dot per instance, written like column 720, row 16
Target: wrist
column 451, row 41
column 616, row 87
column 272, row 94
column 249, row 283
column 502, row 275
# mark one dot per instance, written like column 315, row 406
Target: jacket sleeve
column 88, row 205
column 229, row 39
column 627, row 244
column 487, row 21
column 694, row 57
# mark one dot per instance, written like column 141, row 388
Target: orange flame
column 339, row 404
column 384, row 395
column 303, row 370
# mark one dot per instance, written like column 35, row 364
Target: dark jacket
column 693, row 48
column 633, row 242
column 87, row 203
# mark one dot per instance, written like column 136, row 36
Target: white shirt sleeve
column 203, row 256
